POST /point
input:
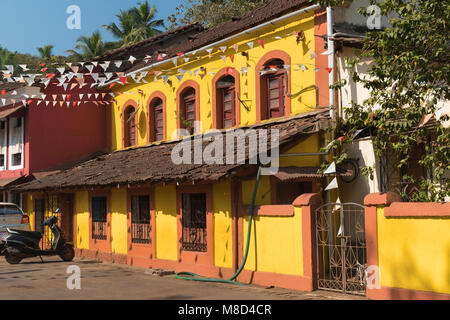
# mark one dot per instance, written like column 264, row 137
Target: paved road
column 34, row 280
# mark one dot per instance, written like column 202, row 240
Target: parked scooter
column 16, row 245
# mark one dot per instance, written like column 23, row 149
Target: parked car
column 11, row 216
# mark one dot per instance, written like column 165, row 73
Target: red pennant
column 261, row 42
column 160, row 57
column 68, row 97
column 329, row 69
column 123, row 80
column 232, row 58
column 74, row 103
column 229, row 70
column 43, row 69
column 42, row 65
column 50, row 75
column 179, row 54
column 29, row 101
column 3, row 91
column 112, row 85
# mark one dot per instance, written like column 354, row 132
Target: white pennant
column 333, row 185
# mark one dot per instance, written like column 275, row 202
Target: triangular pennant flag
column 47, row 102
column 132, row 59
column 244, row 70
column 235, row 47
column 224, row 58
column 105, row 65
column 180, row 77
column 302, row 66
column 24, row 67
column 90, row 67
column 232, row 58
column 329, row 69
column 72, row 86
column 175, row 62
column 331, row 168
column 223, row 48
column 312, row 55
column 251, row 44
column 333, row 185
column 75, row 69
column 209, row 50
column 118, row 63
column 123, row 80
column 95, row 63
column 261, row 43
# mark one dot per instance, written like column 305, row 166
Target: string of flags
column 70, row 76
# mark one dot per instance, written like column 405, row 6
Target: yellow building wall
column 263, row 195
column 414, row 253
column 275, row 244
column 299, row 53
column 223, row 237
column 30, row 210
column 82, row 219
column 119, row 224
column 309, row 144
column 166, row 223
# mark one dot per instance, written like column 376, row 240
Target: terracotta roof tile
column 153, row 163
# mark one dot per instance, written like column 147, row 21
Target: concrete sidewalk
column 32, row 279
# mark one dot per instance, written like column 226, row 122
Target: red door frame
column 96, row 244
column 192, row 257
column 140, row 250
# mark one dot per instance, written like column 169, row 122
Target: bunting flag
column 312, row 55
column 331, row 169
column 261, row 43
column 333, row 185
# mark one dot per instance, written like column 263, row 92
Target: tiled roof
column 272, row 10
column 153, row 163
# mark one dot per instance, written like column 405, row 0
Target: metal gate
column 341, row 247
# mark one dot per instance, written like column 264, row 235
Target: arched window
column 156, row 116
column 273, row 86
column 188, row 109
column 129, row 127
column 226, row 102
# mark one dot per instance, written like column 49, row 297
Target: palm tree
column 146, row 25
column 91, row 47
column 136, row 24
column 124, row 29
column 46, row 51
column 6, row 57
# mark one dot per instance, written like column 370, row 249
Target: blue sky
column 28, row 24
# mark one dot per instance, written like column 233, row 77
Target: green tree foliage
column 46, row 51
column 211, row 12
column 135, row 24
column 91, row 47
column 408, row 77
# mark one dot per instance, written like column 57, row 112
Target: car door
column 11, row 217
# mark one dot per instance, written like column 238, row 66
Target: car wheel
column 67, row 253
column 11, row 258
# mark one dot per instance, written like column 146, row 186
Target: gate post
column 371, row 203
column 308, row 202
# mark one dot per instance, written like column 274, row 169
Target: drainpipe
column 330, row 59
column 330, row 82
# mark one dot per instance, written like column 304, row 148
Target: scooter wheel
column 67, row 253
column 11, row 258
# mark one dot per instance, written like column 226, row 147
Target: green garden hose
column 196, row 277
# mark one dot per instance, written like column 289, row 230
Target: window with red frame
column 130, row 127
column 273, row 90
column 157, row 120
column 226, row 102
column 188, row 110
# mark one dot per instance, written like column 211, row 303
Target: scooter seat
column 30, row 234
